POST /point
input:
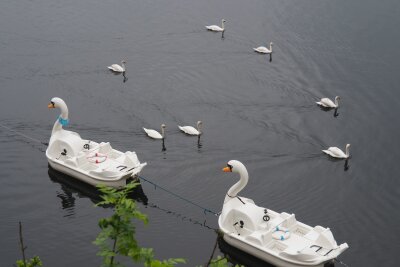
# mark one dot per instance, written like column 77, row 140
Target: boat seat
column 255, row 238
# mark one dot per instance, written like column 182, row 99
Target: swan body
column 327, row 103
column 118, row 68
column 86, row 160
column 191, row 130
column 337, row 152
column 216, row 28
column 263, row 49
column 154, row 134
column 277, row 238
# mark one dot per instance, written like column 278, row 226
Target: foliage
column 117, row 236
column 35, row 261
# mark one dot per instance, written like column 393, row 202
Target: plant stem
column 21, row 242
column 112, row 257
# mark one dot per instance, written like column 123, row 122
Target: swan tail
column 327, row 152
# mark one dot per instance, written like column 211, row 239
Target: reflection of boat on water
column 72, row 186
column 239, row 257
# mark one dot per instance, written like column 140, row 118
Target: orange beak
column 226, row 169
column 50, row 105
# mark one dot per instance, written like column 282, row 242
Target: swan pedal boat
column 89, row 161
column 277, row 238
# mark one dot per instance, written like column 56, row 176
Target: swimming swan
column 263, row 49
column 216, row 28
column 118, row 68
column 191, row 130
column 327, row 103
column 154, row 134
column 337, row 152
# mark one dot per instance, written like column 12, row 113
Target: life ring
column 281, row 233
column 96, row 157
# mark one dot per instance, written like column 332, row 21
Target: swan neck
column 123, row 66
column 347, row 151
column 162, row 132
column 199, row 128
column 63, row 116
column 236, row 188
column 336, row 102
column 270, row 47
column 223, row 25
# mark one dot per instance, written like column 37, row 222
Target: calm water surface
column 260, row 112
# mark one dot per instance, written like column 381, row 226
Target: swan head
column 347, row 146
column 271, row 43
column 56, row 102
column 199, row 123
column 123, row 61
column 234, row 166
column 337, row 98
column 223, row 20
column 163, row 126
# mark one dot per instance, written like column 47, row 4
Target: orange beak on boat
column 227, row 169
column 51, row 105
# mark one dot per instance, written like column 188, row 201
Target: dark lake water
column 259, row 112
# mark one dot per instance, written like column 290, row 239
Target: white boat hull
column 117, row 183
column 91, row 162
column 261, row 254
column 279, row 238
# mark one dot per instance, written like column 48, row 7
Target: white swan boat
column 277, row 238
column 86, row 160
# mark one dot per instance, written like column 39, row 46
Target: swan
column 191, row 130
column 154, row 134
column 216, row 28
column 337, row 152
column 118, row 68
column 263, row 49
column 327, row 103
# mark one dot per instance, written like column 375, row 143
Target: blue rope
column 178, row 196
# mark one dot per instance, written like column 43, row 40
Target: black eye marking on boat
column 230, row 166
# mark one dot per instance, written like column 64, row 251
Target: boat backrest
column 290, row 222
column 105, row 148
column 81, row 159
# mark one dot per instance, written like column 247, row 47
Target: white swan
column 191, row 130
column 263, row 49
column 337, row 152
column 327, row 103
column 154, row 134
column 118, row 68
column 216, row 28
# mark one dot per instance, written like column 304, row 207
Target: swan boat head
column 62, row 119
